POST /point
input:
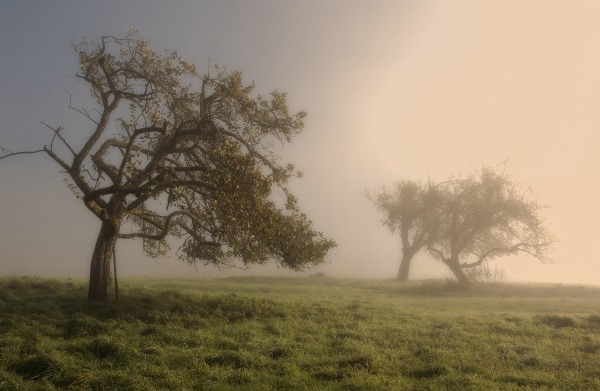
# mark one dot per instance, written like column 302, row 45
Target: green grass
column 312, row 333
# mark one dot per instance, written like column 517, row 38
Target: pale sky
column 393, row 90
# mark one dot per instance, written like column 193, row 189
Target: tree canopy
column 466, row 221
column 411, row 209
column 485, row 216
column 170, row 152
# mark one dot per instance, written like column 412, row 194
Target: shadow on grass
column 44, row 300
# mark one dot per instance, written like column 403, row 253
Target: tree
column 412, row 209
column 173, row 153
column 486, row 216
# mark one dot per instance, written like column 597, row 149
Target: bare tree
column 486, row 216
column 412, row 209
column 170, row 152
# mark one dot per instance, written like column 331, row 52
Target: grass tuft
column 229, row 359
column 105, row 347
column 360, row 362
column 590, row 348
column 84, row 326
column 280, row 352
column 330, row 375
column 593, row 320
column 428, row 372
column 37, row 367
column 556, row 321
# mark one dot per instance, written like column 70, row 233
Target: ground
column 307, row 333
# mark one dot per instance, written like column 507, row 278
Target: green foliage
column 203, row 147
column 288, row 333
column 172, row 153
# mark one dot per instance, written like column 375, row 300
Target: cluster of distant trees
column 464, row 221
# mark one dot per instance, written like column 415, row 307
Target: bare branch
column 80, row 111
column 58, row 160
column 504, row 250
column 57, row 134
column 22, row 153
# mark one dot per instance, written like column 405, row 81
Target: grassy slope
column 298, row 334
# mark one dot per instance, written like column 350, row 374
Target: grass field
column 311, row 333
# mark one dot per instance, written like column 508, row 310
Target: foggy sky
column 393, row 90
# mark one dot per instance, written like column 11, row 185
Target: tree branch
column 508, row 250
column 80, row 111
column 22, row 153
column 164, row 228
column 438, row 252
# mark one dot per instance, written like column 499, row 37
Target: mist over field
column 392, row 89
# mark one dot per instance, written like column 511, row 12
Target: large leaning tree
column 169, row 152
column 411, row 209
column 485, row 216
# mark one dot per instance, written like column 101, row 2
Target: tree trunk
column 99, row 288
column 404, row 267
column 460, row 275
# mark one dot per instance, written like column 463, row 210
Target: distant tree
column 486, row 216
column 170, row 152
column 411, row 209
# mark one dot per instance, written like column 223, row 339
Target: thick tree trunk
column 99, row 288
column 404, row 267
column 460, row 275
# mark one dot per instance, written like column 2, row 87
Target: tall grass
column 298, row 334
